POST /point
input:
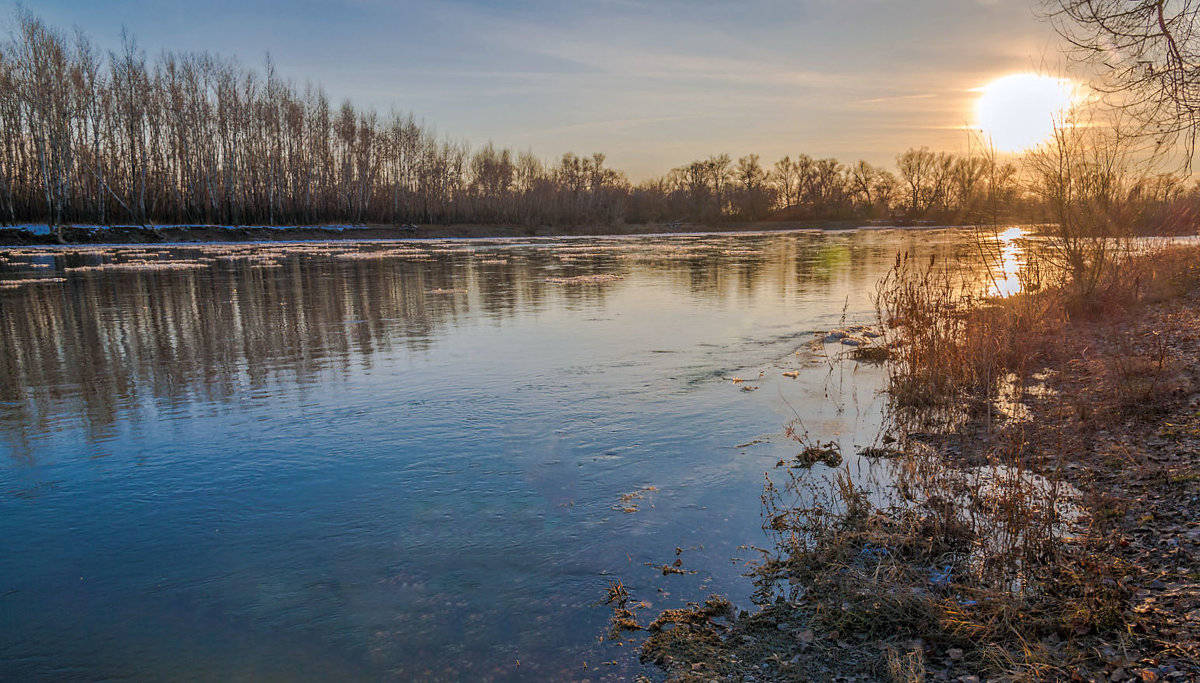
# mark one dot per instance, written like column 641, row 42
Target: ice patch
column 44, row 229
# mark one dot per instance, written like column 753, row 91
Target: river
column 410, row 459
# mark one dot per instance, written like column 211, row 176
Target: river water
column 416, row 459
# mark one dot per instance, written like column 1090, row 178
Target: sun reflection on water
column 1009, row 254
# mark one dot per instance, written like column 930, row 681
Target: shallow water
column 407, row 459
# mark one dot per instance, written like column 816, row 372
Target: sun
column 1019, row 112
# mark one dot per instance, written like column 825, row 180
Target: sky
column 653, row 84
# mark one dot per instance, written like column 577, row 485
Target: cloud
column 895, row 98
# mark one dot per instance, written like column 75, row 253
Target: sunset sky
column 651, row 84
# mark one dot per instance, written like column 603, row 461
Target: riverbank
column 1045, row 517
column 40, row 234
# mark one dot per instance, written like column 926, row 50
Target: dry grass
column 948, row 344
column 905, row 667
column 984, row 547
column 977, row 547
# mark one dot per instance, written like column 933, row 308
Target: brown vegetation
column 1032, row 527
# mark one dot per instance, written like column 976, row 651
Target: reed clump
column 948, row 343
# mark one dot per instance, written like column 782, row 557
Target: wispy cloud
column 619, row 124
column 895, row 98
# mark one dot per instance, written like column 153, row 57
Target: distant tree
column 872, row 189
column 41, row 74
column 753, row 194
column 916, row 168
column 827, row 187
column 887, row 189
column 492, row 174
column 690, row 182
column 968, row 184
column 720, row 172
column 786, row 180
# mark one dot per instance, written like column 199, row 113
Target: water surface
column 406, row 459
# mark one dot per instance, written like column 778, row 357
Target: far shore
column 25, row 236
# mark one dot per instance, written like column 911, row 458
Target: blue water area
column 411, row 459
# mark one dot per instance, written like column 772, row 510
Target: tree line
column 112, row 137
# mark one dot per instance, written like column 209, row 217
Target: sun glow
column 1019, row 112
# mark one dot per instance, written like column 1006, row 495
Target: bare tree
column 1148, row 56
column 41, row 73
column 872, row 189
column 753, row 194
column 1086, row 176
column 786, row 180
column 916, row 170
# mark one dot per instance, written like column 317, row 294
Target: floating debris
column 791, row 373
column 130, row 266
column 584, row 279
column 441, row 290
column 382, row 254
column 827, row 454
column 623, row 618
column 629, row 500
column 853, row 335
column 13, row 284
column 671, row 568
column 270, row 258
column 835, row 336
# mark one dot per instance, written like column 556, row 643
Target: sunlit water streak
column 404, row 459
column 1006, row 271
